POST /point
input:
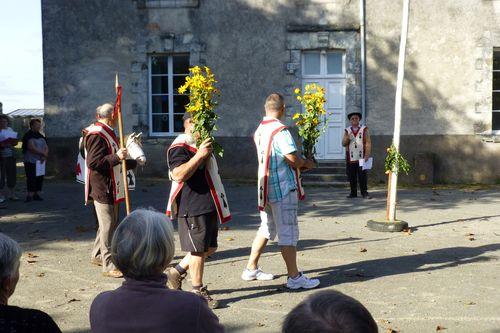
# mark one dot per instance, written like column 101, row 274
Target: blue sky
column 21, row 65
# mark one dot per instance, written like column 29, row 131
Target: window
column 495, row 121
column 166, row 74
column 320, row 64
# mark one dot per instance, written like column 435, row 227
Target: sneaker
column 174, row 279
column 301, row 282
column 203, row 293
column 256, row 274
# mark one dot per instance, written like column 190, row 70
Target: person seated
column 141, row 248
column 329, row 311
column 13, row 318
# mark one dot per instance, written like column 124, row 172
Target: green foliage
column 395, row 162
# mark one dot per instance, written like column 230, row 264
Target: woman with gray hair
column 142, row 247
column 13, row 318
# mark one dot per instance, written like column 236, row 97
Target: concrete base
column 384, row 226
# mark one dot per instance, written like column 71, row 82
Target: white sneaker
column 256, row 274
column 301, row 282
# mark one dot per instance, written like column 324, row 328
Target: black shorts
column 198, row 233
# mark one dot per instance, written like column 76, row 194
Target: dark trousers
column 7, row 172
column 33, row 182
column 355, row 173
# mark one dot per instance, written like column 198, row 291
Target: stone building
column 260, row 46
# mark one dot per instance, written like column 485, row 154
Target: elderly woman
column 142, row 247
column 35, row 151
column 13, row 318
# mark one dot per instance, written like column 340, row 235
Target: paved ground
column 444, row 273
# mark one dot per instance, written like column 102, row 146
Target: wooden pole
column 122, row 145
column 397, row 109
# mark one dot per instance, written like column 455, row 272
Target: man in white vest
column 103, row 182
column 358, row 146
column 279, row 189
column 197, row 200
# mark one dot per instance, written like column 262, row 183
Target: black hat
column 354, row 114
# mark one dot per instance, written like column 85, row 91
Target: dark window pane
column 178, row 81
column 181, row 64
column 178, row 123
column 496, row 80
column 495, row 125
column 496, row 101
column 159, row 64
column 496, row 60
column 159, row 84
column 334, row 63
column 160, row 104
column 160, row 123
column 180, row 102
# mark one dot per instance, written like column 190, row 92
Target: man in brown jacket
column 103, row 183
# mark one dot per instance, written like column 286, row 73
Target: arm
column 368, row 145
column 345, row 139
column 184, row 171
column 296, row 162
column 33, row 149
column 97, row 154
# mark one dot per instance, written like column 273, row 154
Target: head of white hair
column 143, row 244
column 104, row 111
column 10, row 253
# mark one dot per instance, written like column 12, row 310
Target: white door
column 327, row 70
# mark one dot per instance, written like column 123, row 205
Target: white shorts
column 280, row 218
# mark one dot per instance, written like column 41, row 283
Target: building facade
column 451, row 99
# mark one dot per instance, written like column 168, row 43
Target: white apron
column 213, row 180
column 263, row 138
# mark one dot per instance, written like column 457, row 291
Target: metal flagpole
column 122, row 141
column 393, row 181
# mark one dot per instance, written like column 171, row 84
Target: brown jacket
column 100, row 162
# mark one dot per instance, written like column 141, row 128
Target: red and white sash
column 263, row 139
column 109, row 136
column 356, row 149
column 213, row 180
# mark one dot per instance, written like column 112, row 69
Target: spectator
column 8, row 139
column 13, row 318
column 35, row 150
column 329, row 312
column 142, row 247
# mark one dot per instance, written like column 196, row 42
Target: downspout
column 363, row 57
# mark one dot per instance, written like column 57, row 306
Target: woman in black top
column 13, row 318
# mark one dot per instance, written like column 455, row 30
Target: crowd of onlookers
column 142, row 248
column 34, row 150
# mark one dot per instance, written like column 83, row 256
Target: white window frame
column 323, row 65
column 170, row 94
column 495, row 50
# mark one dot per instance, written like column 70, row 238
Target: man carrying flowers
column 279, row 189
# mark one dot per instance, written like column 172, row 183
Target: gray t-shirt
column 39, row 144
column 6, row 151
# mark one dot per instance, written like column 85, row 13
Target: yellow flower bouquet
column 202, row 102
column 312, row 122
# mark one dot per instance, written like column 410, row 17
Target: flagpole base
column 384, row 226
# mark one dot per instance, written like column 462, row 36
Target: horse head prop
column 134, row 148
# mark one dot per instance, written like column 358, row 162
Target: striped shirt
column 281, row 178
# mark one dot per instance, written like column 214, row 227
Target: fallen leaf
column 31, row 255
column 407, row 231
column 390, row 330
column 471, row 238
column 440, row 328
column 230, row 239
column 40, row 274
column 73, row 300
column 470, row 303
column 260, row 325
column 225, row 228
column 363, row 250
column 469, row 234
column 31, row 261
